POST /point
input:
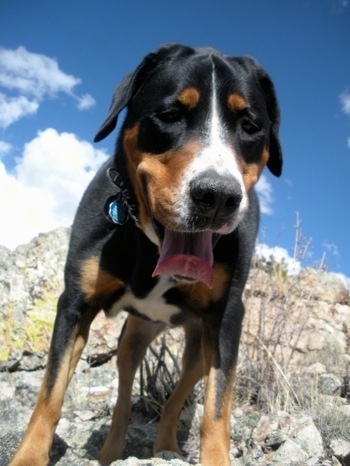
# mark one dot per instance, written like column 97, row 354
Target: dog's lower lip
column 159, row 229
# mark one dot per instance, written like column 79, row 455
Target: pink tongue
column 188, row 255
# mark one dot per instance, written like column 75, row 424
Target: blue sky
column 60, row 62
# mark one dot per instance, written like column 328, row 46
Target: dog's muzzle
column 188, row 256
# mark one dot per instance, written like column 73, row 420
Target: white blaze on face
column 218, row 157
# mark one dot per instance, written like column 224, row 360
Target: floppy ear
column 121, row 97
column 275, row 161
column 132, row 83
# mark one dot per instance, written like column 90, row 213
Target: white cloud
column 345, row 106
column 331, row 248
column 5, row 147
column 278, row 255
column 27, row 79
column 345, row 102
column 46, row 185
column 264, row 190
column 33, row 73
column 85, row 101
column 339, row 7
column 14, row 108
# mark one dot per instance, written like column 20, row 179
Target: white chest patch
column 152, row 306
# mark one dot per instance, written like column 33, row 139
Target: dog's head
column 199, row 129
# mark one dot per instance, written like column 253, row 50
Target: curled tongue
column 188, row 255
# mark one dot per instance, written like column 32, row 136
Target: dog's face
column 200, row 128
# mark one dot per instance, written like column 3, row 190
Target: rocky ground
column 292, row 398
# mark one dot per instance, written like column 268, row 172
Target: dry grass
column 160, row 372
column 269, row 374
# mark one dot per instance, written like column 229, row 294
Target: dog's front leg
column 220, row 350
column 191, row 373
column 69, row 338
column 137, row 335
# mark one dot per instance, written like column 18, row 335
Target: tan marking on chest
column 201, row 296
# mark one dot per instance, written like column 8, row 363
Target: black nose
column 215, row 196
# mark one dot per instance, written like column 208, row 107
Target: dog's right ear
column 132, row 82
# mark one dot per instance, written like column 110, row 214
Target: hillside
column 292, row 403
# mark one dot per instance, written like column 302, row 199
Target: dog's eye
column 249, row 127
column 170, row 116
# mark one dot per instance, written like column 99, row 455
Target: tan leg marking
column 137, row 335
column 192, row 372
column 36, row 443
column 215, row 428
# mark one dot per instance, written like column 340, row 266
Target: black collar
column 119, row 208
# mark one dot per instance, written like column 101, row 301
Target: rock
column 31, row 279
column 316, row 369
column 322, row 286
column 261, row 431
column 285, row 422
column 7, row 392
column 329, row 384
column 341, row 450
column 290, row 453
column 132, row 461
column 275, row 439
column 310, row 440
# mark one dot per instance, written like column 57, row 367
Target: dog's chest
column 153, row 306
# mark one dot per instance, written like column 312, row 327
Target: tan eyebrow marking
column 236, row 102
column 189, row 97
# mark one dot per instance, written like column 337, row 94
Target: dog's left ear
column 275, row 161
column 132, row 82
column 251, row 66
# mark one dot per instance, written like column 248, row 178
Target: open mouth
column 187, row 256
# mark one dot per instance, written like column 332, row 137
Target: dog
column 166, row 231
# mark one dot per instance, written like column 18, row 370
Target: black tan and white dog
column 166, row 231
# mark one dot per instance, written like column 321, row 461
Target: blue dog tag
column 117, row 211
